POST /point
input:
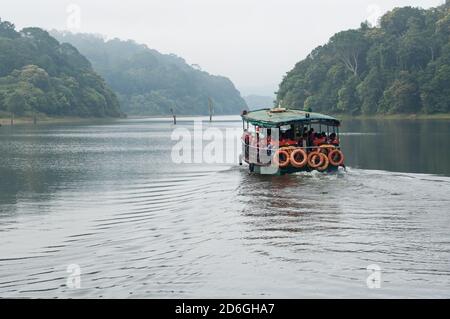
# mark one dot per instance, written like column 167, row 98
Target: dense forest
column 402, row 65
column 40, row 75
column 150, row 83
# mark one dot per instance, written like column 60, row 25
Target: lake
column 107, row 200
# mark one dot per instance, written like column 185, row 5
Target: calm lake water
column 108, row 198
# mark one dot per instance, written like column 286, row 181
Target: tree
column 370, row 92
column 350, row 47
column 149, row 82
column 403, row 96
column 348, row 100
column 397, row 21
column 36, row 76
column 39, row 74
column 7, row 30
column 402, row 66
column 16, row 103
column 435, row 95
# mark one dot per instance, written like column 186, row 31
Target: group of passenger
column 309, row 138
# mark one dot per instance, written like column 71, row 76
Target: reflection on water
column 108, row 198
column 398, row 145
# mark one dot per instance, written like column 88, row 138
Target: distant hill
column 40, row 75
column 259, row 102
column 150, row 83
column 400, row 66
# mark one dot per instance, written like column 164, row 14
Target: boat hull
column 265, row 170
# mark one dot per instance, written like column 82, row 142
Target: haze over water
column 107, row 197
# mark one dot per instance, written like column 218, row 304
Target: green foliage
column 148, row 82
column 37, row 74
column 402, row 96
column 400, row 66
column 8, row 30
column 370, row 91
column 436, row 89
column 348, row 96
column 16, row 103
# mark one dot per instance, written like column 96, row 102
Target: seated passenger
column 311, row 135
column 287, row 142
column 286, row 139
column 303, row 140
column 322, row 138
column 317, row 139
column 333, row 139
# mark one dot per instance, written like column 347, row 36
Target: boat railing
column 280, row 147
column 262, row 155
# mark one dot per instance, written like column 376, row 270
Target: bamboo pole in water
column 211, row 108
column 174, row 117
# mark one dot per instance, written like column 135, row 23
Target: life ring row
column 316, row 159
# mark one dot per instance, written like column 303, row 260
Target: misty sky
column 253, row 42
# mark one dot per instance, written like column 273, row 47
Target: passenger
column 300, row 141
column 305, row 131
column 333, row 139
column 292, row 142
column 311, row 135
column 269, row 145
column 246, row 136
column 322, row 138
column 317, row 139
column 283, row 139
column 246, row 139
column 303, row 141
column 286, row 139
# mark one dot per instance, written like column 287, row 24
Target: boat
column 282, row 141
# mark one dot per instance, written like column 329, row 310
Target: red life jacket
column 287, row 142
column 319, row 141
column 335, row 141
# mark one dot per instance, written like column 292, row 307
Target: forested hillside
column 400, row 66
column 148, row 82
column 40, row 75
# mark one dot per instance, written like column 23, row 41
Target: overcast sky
column 253, row 42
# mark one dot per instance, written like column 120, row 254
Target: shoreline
column 441, row 116
column 6, row 121
column 26, row 120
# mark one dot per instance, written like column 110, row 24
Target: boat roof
column 279, row 117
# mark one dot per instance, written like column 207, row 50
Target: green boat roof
column 272, row 118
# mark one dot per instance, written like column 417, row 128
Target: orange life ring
column 295, row 162
column 327, row 147
column 332, row 155
column 312, row 157
column 326, row 163
column 281, row 163
column 288, row 149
